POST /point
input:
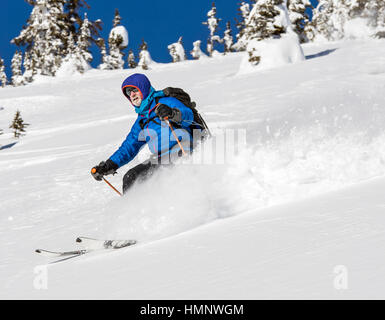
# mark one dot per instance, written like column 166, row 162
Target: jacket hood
column 148, row 93
column 139, row 81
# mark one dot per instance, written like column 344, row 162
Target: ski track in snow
column 312, row 127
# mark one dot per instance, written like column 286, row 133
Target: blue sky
column 159, row 23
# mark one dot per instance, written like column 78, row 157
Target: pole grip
column 93, row 170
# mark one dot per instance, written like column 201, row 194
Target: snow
column 196, row 52
column 70, row 67
column 301, row 201
column 145, row 59
column 358, row 28
column 120, row 31
column 176, row 51
column 273, row 53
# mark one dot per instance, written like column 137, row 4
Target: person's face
column 135, row 96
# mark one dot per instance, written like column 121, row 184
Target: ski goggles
column 128, row 90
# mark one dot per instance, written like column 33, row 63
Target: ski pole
column 105, row 180
column 175, row 136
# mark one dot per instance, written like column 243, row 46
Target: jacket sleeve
column 130, row 146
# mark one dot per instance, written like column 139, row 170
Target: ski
column 54, row 254
column 90, row 244
column 96, row 244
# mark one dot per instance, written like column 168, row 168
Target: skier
column 164, row 123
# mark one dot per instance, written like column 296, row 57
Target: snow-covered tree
column 243, row 12
column 337, row 19
column 266, row 20
column 115, row 57
column 144, row 56
column 212, row 24
column 18, row 125
column 72, row 16
column 328, row 20
column 176, row 51
column 17, row 78
column 74, row 20
column 3, row 75
column 117, row 42
column 373, row 11
column 117, row 18
column 131, row 60
column 28, row 67
column 51, row 27
column 75, row 61
column 196, row 52
column 45, row 35
column 381, row 22
column 228, row 38
column 269, row 37
column 84, row 42
column 299, row 17
column 105, row 64
column 78, row 57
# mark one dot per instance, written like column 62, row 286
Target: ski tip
column 38, row 251
column 78, row 240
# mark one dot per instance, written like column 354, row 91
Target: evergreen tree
column 196, row 52
column 28, row 67
column 117, row 18
column 357, row 8
column 228, row 38
column 381, row 21
column 51, row 27
column 176, row 51
column 77, row 56
column 72, row 17
column 74, row 20
column 268, row 19
column 131, row 60
column 44, row 35
column 105, row 65
column 18, row 125
column 321, row 23
column 116, row 56
column 299, row 17
column 374, row 12
column 3, row 75
column 243, row 12
column 262, row 22
column 83, row 44
column 331, row 16
column 144, row 56
column 17, row 78
column 117, row 43
column 212, row 24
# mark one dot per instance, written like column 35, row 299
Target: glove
column 104, row 168
column 163, row 111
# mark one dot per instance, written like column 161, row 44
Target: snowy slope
column 313, row 130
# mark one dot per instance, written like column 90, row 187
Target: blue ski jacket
column 148, row 129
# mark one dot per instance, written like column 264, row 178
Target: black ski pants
column 139, row 173
column 145, row 170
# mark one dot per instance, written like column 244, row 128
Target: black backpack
column 182, row 96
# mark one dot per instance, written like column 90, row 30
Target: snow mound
column 71, row 66
column 273, row 52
